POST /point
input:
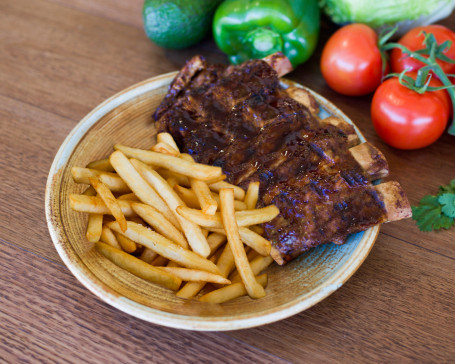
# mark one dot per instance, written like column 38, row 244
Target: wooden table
column 58, row 60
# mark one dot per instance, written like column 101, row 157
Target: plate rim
column 201, row 323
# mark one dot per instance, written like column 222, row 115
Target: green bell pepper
column 251, row 29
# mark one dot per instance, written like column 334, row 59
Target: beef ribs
column 242, row 119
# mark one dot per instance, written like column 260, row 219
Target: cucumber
column 178, row 23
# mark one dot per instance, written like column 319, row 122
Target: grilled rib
column 242, row 119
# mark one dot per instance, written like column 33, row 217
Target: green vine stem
column 434, row 51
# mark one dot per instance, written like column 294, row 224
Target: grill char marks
column 240, row 118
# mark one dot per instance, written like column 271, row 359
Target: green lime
column 178, row 23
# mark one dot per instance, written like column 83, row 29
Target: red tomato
column 351, row 61
column 414, row 41
column 405, row 119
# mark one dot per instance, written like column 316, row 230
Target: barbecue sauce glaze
column 241, row 119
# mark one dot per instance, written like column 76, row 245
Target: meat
column 242, row 119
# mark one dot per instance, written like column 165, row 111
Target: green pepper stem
column 263, row 41
column 435, row 67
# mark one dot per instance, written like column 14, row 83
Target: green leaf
column 450, row 188
column 428, row 215
column 447, row 200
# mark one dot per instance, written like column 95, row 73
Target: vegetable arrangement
column 246, row 29
column 412, row 109
column 405, row 14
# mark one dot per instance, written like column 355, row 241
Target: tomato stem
column 434, row 52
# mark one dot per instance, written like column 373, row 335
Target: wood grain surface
column 58, row 60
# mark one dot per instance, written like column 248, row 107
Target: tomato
column 406, row 119
column 351, row 61
column 414, row 41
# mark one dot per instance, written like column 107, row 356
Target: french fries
column 109, row 199
column 232, row 291
column 193, row 233
column 189, row 197
column 252, row 195
column 196, row 170
column 252, row 239
column 161, row 206
column 243, row 218
column 195, row 275
column 95, row 205
column 127, row 244
column 165, row 148
column 164, row 247
column 239, row 193
column 94, row 227
column 108, row 237
column 112, row 180
column 168, row 139
column 258, row 264
column 138, row 267
column 157, row 221
column 139, row 186
column 101, row 165
column 254, row 289
column 202, row 192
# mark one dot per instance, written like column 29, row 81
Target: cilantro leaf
column 428, row 215
column 447, row 200
column 450, row 188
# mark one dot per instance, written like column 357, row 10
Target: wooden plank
column 29, row 139
column 397, row 308
column 47, row 316
column 67, row 61
column 125, row 12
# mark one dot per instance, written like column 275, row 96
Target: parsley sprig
column 436, row 212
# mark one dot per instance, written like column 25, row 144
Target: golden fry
column 166, row 174
column 165, row 148
column 258, row 264
column 243, row 218
column 189, row 197
column 257, row 229
column 148, row 255
column 215, row 241
column 139, row 186
column 112, row 180
column 239, row 193
column 200, row 171
column 90, row 191
column 101, row 165
column 128, row 196
column 127, row 244
column 254, row 289
column 138, row 267
column 204, row 196
column 193, row 232
column 191, row 289
column 95, row 205
column 231, row 291
column 159, row 261
column 165, row 247
column 253, row 240
column 108, row 237
column 157, row 221
column 109, row 199
column 94, row 227
column 168, row 139
column 195, row 275
column 252, row 195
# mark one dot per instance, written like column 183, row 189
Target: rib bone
column 371, row 160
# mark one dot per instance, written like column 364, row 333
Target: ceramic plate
column 126, row 118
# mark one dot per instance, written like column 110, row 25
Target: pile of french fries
column 169, row 220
